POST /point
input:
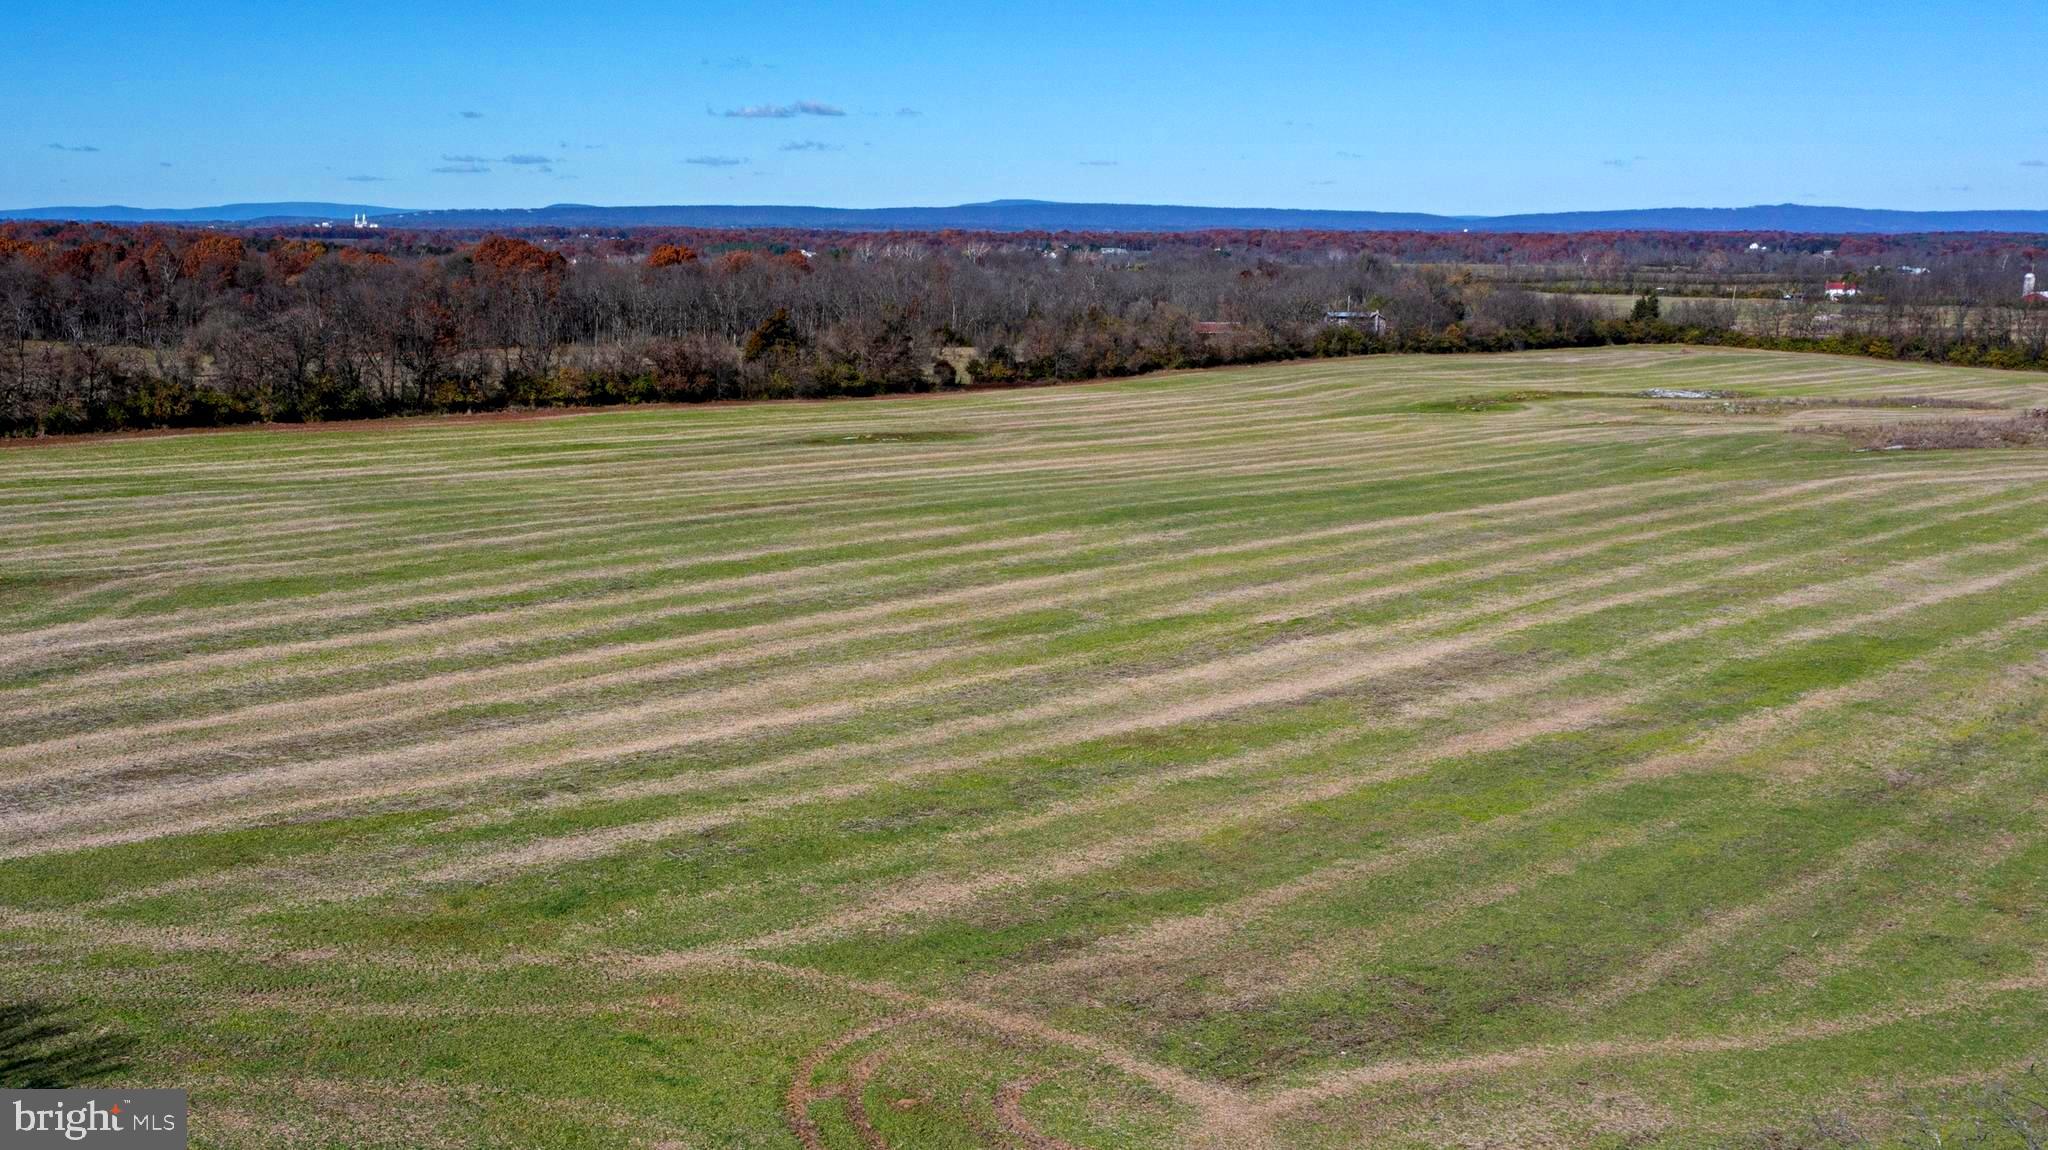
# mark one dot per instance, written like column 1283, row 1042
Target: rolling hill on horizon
column 1044, row 215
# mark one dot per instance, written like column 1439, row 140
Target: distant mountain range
column 1043, row 215
column 217, row 214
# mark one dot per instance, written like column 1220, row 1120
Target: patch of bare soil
column 1782, row 405
column 2029, row 430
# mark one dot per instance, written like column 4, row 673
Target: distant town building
column 363, row 220
column 1756, row 247
column 1371, row 320
column 1841, row 290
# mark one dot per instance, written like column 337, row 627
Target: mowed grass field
column 1291, row 756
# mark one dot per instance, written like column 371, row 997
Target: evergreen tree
column 776, row 333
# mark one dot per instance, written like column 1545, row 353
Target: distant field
column 1323, row 755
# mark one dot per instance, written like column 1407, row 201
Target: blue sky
column 1445, row 107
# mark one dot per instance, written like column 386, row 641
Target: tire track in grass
column 1009, row 1105
column 1246, row 1119
column 1224, row 1109
column 804, row 1092
column 1336, row 1085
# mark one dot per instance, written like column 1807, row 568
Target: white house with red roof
column 2027, row 292
column 1841, row 289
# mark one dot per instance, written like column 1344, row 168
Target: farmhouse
column 1372, row 320
column 2028, row 294
column 1841, row 289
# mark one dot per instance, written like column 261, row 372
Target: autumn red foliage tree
column 291, row 258
column 359, row 258
column 671, row 255
column 111, row 326
column 212, row 259
column 507, row 254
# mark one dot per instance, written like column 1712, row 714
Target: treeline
column 106, row 328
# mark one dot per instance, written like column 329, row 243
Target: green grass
column 1507, row 400
column 1237, row 758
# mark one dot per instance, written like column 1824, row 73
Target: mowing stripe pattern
column 1267, row 757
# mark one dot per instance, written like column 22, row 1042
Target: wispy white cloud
column 783, row 111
